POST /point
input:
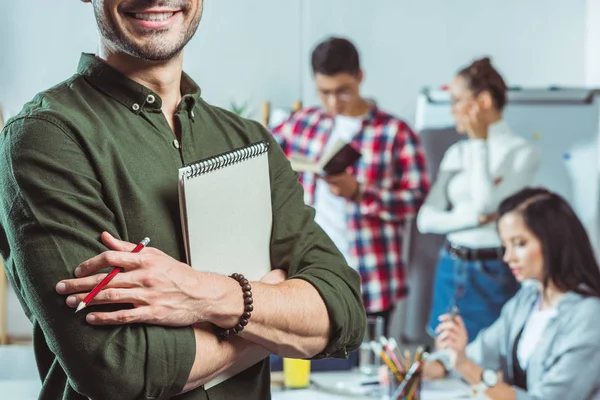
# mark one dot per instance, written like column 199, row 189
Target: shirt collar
column 131, row 94
column 498, row 128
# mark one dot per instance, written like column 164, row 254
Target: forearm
column 470, row 371
column 432, row 220
column 481, row 185
column 289, row 319
column 214, row 357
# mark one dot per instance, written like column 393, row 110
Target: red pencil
column 109, row 277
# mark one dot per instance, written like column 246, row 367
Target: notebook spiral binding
column 226, row 159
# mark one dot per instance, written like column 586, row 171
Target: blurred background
column 246, row 53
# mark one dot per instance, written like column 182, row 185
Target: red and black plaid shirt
column 393, row 182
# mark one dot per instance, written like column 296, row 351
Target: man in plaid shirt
column 365, row 209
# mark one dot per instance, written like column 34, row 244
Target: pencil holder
column 405, row 390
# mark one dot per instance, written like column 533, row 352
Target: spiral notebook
column 225, row 205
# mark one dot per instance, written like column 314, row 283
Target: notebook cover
column 343, row 159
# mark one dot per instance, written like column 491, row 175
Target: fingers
column 127, row 261
column 115, row 244
column 110, row 296
column 120, row 245
column 336, row 179
column 122, row 317
column 86, row 284
column 336, row 190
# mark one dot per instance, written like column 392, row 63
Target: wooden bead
column 243, row 321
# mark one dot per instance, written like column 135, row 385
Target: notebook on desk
column 225, row 205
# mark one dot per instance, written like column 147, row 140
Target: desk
column 28, row 389
column 347, row 385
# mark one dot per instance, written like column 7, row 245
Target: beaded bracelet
column 224, row 334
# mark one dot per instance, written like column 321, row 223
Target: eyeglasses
column 342, row 94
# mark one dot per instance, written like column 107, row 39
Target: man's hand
column 162, row 290
column 343, row 185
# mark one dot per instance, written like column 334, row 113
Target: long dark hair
column 569, row 259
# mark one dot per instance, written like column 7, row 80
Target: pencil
column 109, row 278
column 408, row 379
column 390, row 352
column 376, row 347
column 419, row 353
column 395, row 348
column 453, row 313
column 407, row 359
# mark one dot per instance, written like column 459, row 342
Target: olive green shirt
column 95, row 153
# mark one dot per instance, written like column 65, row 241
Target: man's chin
column 153, row 51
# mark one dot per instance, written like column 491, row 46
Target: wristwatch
column 489, row 378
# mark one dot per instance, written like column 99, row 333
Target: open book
column 340, row 156
column 225, row 205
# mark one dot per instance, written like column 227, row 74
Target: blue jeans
column 478, row 288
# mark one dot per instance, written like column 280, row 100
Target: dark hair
column 335, row 55
column 569, row 259
column 481, row 76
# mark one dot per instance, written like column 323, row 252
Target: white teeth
column 154, row 16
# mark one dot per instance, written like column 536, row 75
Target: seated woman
column 475, row 175
column 546, row 343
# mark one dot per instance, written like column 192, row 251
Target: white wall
column 408, row 44
column 251, row 51
column 592, row 43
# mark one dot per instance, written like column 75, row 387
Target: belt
column 469, row 254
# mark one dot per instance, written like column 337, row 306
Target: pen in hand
column 453, row 313
column 109, row 277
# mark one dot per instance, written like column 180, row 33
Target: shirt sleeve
column 52, row 213
column 302, row 248
column 519, row 169
column 436, row 215
column 572, row 370
column 399, row 200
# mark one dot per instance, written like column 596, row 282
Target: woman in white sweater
column 475, row 175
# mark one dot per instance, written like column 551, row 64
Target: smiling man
column 99, row 153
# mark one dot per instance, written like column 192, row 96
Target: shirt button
column 176, row 144
column 150, row 99
column 135, row 107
